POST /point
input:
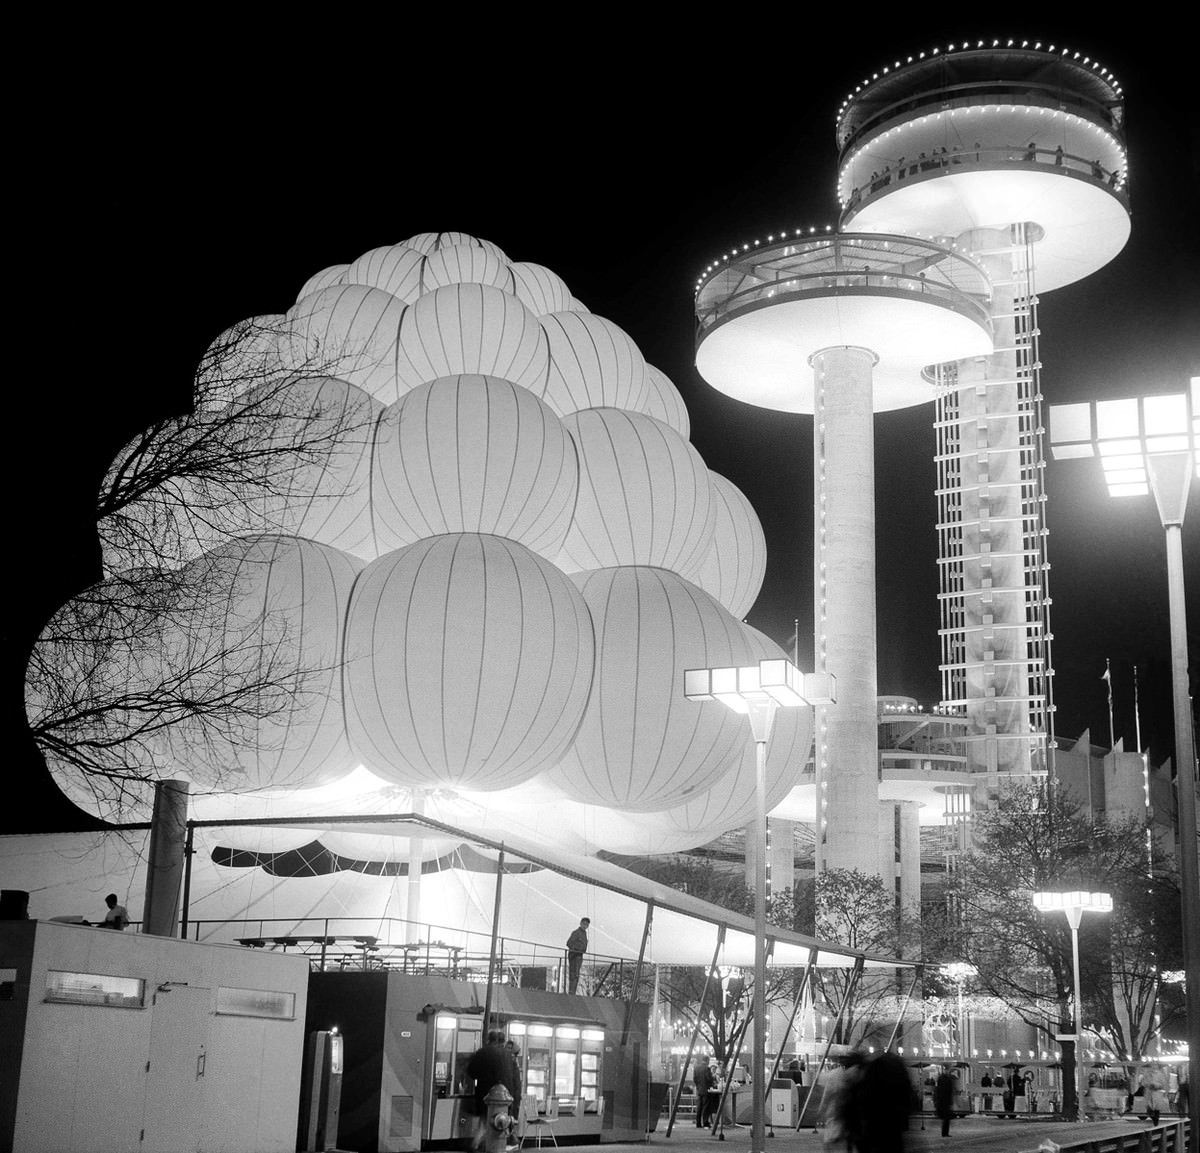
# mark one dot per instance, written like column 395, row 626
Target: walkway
column 973, row 1134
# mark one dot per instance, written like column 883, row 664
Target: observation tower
column 1014, row 152
column 840, row 325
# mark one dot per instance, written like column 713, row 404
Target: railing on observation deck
column 348, row 944
column 867, row 263
column 1038, row 159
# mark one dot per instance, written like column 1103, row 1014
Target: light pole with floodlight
column 1075, row 904
column 757, row 691
column 960, row 972
column 1149, row 444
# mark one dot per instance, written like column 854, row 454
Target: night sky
column 164, row 201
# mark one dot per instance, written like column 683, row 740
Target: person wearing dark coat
column 885, row 1100
column 490, row 1065
column 943, row 1099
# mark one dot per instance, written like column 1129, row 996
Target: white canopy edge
column 68, row 873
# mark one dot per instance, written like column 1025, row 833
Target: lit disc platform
column 1081, row 224
column 763, row 314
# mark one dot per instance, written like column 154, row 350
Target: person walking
column 703, row 1082
column 943, row 1099
column 1154, row 1085
column 577, row 944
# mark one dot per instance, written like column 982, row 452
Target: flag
column 1107, row 678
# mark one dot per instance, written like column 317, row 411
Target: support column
column 164, row 873
column 844, row 594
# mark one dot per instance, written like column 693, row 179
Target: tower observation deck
column 840, row 326
column 1014, row 152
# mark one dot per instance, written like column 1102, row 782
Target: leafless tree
column 150, row 651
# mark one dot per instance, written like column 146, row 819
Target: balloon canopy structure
column 486, row 582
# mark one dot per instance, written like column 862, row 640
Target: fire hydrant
column 499, row 1120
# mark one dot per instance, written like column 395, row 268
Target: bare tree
column 151, row 652
column 1037, row 838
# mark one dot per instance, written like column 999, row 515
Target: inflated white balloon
column 316, row 480
column 468, row 662
column 735, row 563
column 428, row 242
column 93, row 681
column 593, row 363
column 326, row 278
column 642, row 745
column 244, row 356
column 473, row 454
column 470, row 329
column 644, row 495
column 348, row 331
column 539, row 289
column 664, row 403
column 393, row 268
column 465, row 264
column 263, row 625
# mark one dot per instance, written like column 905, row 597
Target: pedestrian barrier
column 1166, row 1137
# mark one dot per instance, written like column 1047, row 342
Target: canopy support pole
column 189, row 849
column 637, row 974
column 796, row 1006
column 708, row 980
column 903, row 1010
column 491, row 980
column 851, row 986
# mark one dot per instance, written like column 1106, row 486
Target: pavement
column 975, row 1134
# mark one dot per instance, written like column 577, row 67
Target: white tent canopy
column 542, row 900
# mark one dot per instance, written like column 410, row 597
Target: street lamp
column 757, row 691
column 1075, row 905
column 960, row 972
column 1149, row 444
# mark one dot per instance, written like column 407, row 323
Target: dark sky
column 162, row 201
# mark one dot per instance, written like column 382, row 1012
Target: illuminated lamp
column 539, row 289
column 664, row 403
column 465, row 264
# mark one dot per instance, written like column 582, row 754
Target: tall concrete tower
column 840, row 326
column 1014, row 152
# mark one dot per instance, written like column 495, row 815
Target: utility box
column 128, row 1041
column 784, row 1103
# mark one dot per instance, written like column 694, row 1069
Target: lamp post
column 1075, row 905
column 960, row 972
column 757, row 691
column 1149, row 444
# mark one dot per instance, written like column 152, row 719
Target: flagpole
column 1112, row 738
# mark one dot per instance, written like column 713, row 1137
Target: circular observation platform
column 767, row 310
column 921, row 760
column 989, row 137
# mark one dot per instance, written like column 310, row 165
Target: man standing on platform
column 577, row 944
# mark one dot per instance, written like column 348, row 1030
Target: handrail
column 805, row 284
column 1039, row 158
column 1165, row 1137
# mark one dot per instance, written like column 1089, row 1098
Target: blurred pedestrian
column 943, row 1099
column 841, row 1113
column 490, row 1065
column 885, row 1102
column 703, row 1082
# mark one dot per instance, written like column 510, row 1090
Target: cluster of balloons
column 493, row 571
